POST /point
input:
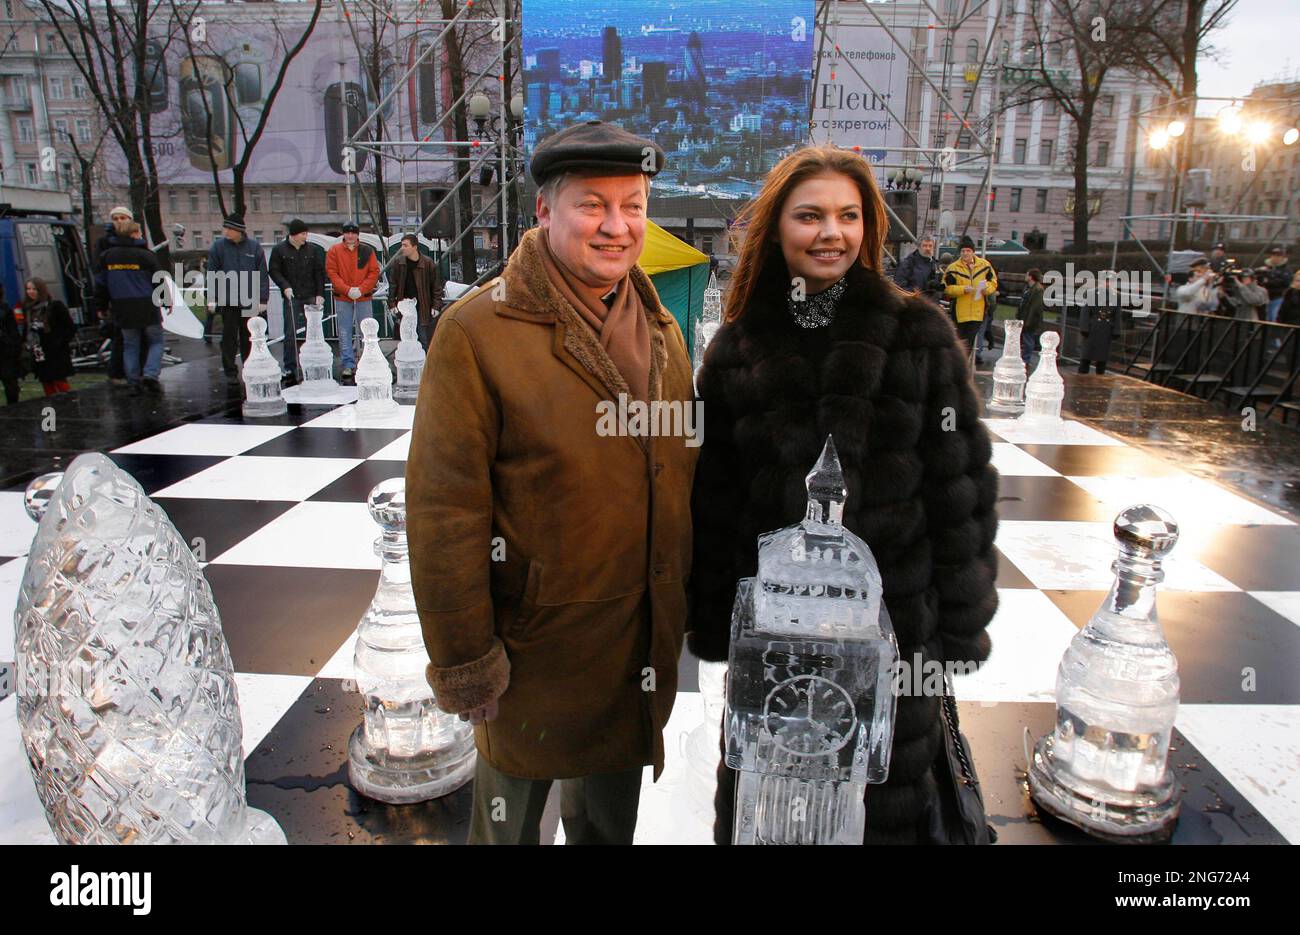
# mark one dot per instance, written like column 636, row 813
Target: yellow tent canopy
column 663, row 252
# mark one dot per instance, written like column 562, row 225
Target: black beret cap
column 598, row 146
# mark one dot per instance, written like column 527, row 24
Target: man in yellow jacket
column 969, row 282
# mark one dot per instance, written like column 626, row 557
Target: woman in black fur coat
column 815, row 342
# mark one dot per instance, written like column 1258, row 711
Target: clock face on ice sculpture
column 809, row 716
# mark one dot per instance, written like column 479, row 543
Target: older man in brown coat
column 550, row 541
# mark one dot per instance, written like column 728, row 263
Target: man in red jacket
column 353, row 270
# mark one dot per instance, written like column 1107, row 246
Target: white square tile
column 1012, row 461
column 1064, row 556
column 199, row 438
column 396, row 450
column 1190, row 500
column 346, row 417
column 261, row 478
column 1255, row 748
column 22, row 819
column 311, row 535
column 263, row 699
column 1067, row 432
column 1030, row 634
column 16, row 527
column 1286, row 603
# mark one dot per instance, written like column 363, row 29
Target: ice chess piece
column 710, row 320
column 410, row 355
column 261, row 376
column 406, row 749
column 700, row 745
column 374, row 378
column 1009, row 373
column 127, row 703
column 1104, row 768
column 316, row 357
column 1045, row 390
column 810, row 700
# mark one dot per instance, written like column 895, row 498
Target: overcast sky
column 1260, row 43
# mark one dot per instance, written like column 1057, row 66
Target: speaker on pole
column 902, row 201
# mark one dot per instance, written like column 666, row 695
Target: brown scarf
column 621, row 328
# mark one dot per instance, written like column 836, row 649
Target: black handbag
column 959, row 817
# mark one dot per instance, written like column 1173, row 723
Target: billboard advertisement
column 858, row 87
column 722, row 85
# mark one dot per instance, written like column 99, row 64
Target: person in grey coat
column 240, row 291
column 1246, row 297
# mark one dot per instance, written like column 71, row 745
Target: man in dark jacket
column 1031, row 313
column 239, row 292
column 917, row 272
column 298, row 268
column 125, row 284
column 1275, row 276
column 416, row 277
column 121, row 220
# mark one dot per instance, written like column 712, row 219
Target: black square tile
column 215, row 526
column 299, row 775
column 297, row 415
column 1231, row 649
column 1048, row 499
column 356, row 484
column 1255, row 558
column 154, row 472
column 1009, row 576
column 1101, row 460
column 327, row 443
column 288, row 621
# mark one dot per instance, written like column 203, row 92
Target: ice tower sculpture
column 709, row 322
column 810, row 700
column 127, row 702
column 1009, row 374
column 316, row 357
column 410, row 355
column 406, row 749
column 1104, row 766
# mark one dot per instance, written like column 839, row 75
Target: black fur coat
column 890, row 381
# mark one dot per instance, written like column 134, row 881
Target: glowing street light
column 1290, row 136
column 1258, row 131
column 1158, row 139
column 1176, row 129
column 1230, row 121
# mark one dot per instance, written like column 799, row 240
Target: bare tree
column 1069, row 50
column 288, row 44
column 118, row 48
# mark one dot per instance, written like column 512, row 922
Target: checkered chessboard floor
column 277, row 512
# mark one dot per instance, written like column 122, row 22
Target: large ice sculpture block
column 810, row 700
column 374, row 378
column 261, row 376
column 1104, row 767
column 126, row 694
column 1009, row 373
column 410, row 355
column 406, row 749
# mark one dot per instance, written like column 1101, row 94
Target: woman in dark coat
column 50, row 333
column 11, row 350
column 885, row 374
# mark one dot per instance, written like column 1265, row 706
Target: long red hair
column 757, row 223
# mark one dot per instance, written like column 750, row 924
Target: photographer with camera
column 1199, row 293
column 1239, row 293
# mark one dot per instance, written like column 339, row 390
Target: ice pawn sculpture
column 316, row 357
column 1009, row 373
column 261, row 376
column 127, row 703
column 810, row 701
column 1104, row 766
column 1045, row 390
column 410, row 355
column 374, row 377
column 406, row 749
